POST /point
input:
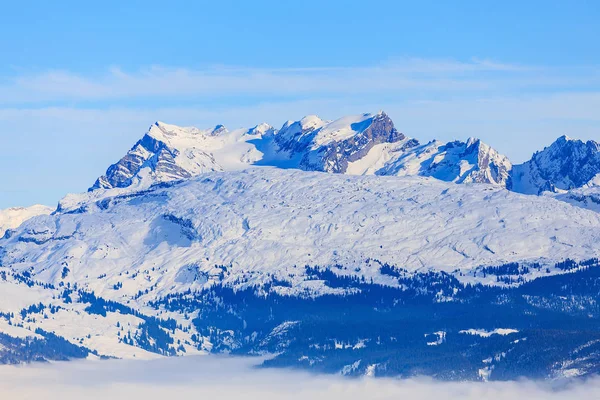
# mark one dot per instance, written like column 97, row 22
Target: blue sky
column 80, row 83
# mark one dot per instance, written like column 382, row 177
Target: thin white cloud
column 219, row 81
column 229, row 378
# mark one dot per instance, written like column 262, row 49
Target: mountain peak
column 473, row 141
column 312, row 122
column 564, row 138
column 163, row 126
column 262, row 129
column 167, row 132
column 565, row 164
column 155, row 157
column 219, row 130
column 336, row 144
column 462, row 162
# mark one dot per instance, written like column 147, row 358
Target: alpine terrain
column 337, row 246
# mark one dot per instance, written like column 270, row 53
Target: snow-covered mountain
column 270, row 221
column 168, row 152
column 366, row 144
column 165, row 153
column 363, row 144
column 461, row 162
column 564, row 165
column 331, row 146
column 173, row 268
column 11, row 218
column 287, row 241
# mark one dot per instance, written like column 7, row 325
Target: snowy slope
column 460, row 162
column 588, row 196
column 272, row 221
column 11, row 218
column 73, row 321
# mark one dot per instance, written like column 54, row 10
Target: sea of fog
column 238, row 378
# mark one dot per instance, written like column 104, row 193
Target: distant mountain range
column 339, row 246
column 367, row 144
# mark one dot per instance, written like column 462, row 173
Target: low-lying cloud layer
column 234, row 378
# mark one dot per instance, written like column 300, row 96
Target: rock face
column 159, row 158
column 331, row 146
column 566, row 164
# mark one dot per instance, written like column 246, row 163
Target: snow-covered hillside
column 266, row 221
column 11, row 218
column 115, row 272
column 587, row 196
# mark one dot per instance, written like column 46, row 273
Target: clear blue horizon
column 81, row 82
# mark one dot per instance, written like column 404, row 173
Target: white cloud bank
column 229, row 378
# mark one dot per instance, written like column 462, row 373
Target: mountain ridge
column 356, row 145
